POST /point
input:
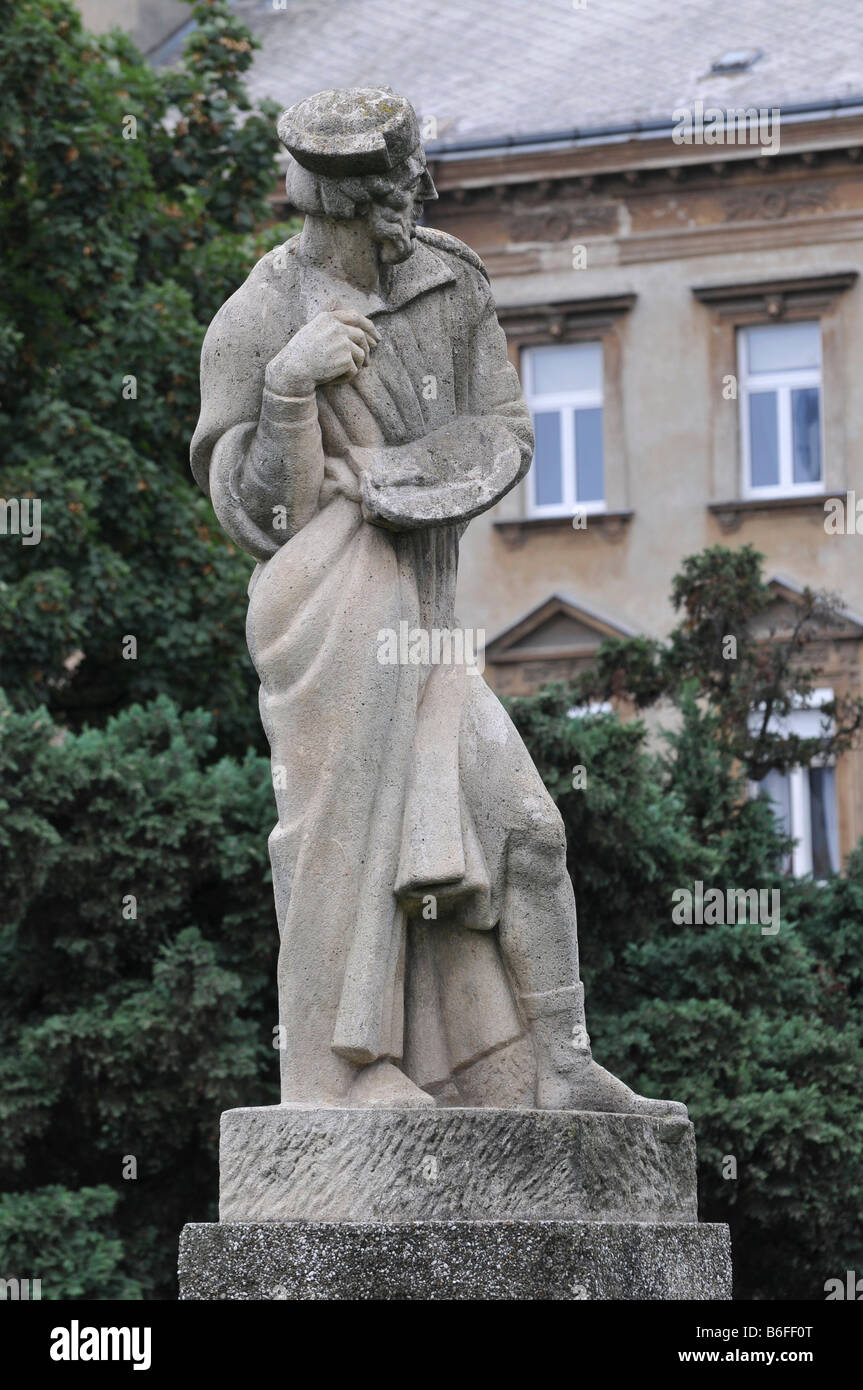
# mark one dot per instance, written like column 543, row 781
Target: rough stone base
column 281, row 1163
column 455, row 1260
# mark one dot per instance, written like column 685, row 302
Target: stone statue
column 358, row 408
column 443, row 1130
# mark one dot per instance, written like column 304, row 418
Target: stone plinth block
column 280, row 1163
column 455, row 1260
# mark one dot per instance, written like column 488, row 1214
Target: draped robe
column 396, row 784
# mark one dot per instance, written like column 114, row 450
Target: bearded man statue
column 358, row 408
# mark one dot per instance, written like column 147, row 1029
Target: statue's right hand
column 332, row 346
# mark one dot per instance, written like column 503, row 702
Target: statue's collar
column 422, row 271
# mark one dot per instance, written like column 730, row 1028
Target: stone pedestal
column 454, row 1260
column 454, row 1204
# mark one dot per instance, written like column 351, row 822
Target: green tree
column 747, row 669
column 761, row 1035
column 124, row 226
column 59, row 1238
column 137, row 995
column 136, row 920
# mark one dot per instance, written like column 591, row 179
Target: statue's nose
column 428, row 192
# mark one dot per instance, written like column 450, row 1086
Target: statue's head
column 357, row 153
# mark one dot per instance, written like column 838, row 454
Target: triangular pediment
column 777, row 622
column 558, row 628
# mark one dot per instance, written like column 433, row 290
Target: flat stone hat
column 348, row 131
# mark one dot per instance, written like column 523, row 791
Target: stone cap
column 350, row 131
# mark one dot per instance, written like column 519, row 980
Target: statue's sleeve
column 257, row 455
column 464, row 467
column 265, row 475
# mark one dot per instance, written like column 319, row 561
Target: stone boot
column 567, row 1078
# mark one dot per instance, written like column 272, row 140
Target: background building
column 670, row 205
column 149, row 22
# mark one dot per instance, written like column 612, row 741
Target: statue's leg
column 538, row 934
column 539, row 944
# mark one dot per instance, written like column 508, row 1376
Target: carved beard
column 394, row 229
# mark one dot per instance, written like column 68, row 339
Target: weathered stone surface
column 358, row 409
column 280, row 1163
column 455, row 1260
column 333, row 133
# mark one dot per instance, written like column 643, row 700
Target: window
column 563, row 388
column 804, row 805
column 779, row 367
column 804, row 799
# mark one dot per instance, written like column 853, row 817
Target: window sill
column 611, row 525
column 731, row 515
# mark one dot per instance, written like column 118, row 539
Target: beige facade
column 665, row 254
column 149, row 22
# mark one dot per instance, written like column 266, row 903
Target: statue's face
column 393, row 218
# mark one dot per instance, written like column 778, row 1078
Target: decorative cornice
column 563, row 320
column 816, row 230
column 631, row 161
column 809, row 293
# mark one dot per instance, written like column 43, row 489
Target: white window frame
column 805, row 721
column 800, row 816
column 783, row 383
column 565, row 402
